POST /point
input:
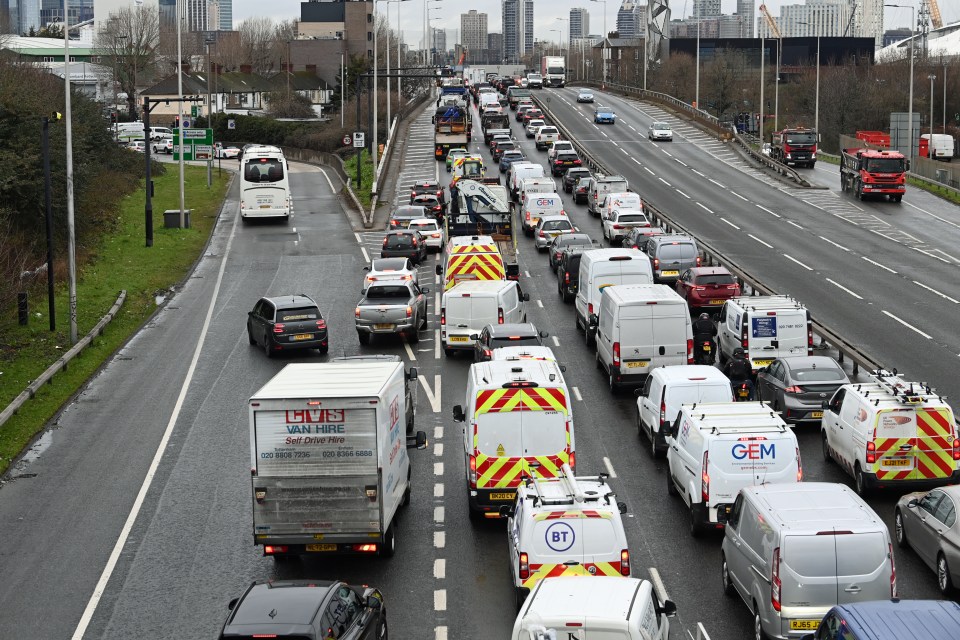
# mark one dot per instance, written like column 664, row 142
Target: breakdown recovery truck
column 869, row 172
column 467, row 167
column 450, row 130
column 484, row 210
column 796, row 146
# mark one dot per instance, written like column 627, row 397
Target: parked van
column 470, row 305
column 890, row 620
column 602, row 185
column 539, row 205
column 600, row 268
column 766, row 327
column 793, row 551
column 518, row 423
column 519, row 171
column 666, row 388
column 714, row 450
column 942, row 147
column 891, row 433
column 670, row 255
column 641, row 327
column 624, row 200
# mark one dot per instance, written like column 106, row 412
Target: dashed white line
column 681, row 162
column 734, row 193
column 614, row 143
column 357, row 236
column 526, row 273
column 683, row 194
column 438, row 449
column 775, row 215
column 576, row 394
column 609, row 466
column 838, row 246
column 635, row 161
column 439, row 539
column 731, row 224
column 410, row 353
column 664, row 182
column 631, row 127
column 438, row 468
column 438, row 514
column 438, row 433
column 366, row 256
column 906, row 324
column 666, row 152
column 439, row 568
column 794, row 224
column 438, row 490
column 440, row 601
column 877, row 264
column 768, row 246
column 702, row 175
column 440, row 633
column 792, row 259
column 934, row 291
column 716, row 183
column 556, row 341
column 706, row 208
column 647, row 169
column 840, row 286
column 928, row 253
column 625, row 152
column 436, row 344
column 540, row 303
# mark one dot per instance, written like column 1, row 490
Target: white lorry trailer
column 328, row 458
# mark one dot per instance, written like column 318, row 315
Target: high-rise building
column 29, row 11
column 517, row 29
column 579, row 23
column 52, row 11
column 226, row 15
column 706, row 8
column 627, row 20
column 438, row 40
column 746, row 10
column 473, row 32
column 494, row 47
column 198, row 15
column 826, row 18
column 527, row 32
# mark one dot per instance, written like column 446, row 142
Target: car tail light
column 809, row 339
column 409, row 312
column 542, row 234
column 573, row 461
column 524, row 568
column 775, row 580
column 414, row 241
column 363, row 548
column 625, row 562
column 271, row 549
column 699, row 288
column 689, row 350
column 799, row 467
column 278, row 328
column 698, row 261
column 577, row 161
column 616, row 354
column 744, row 340
column 956, row 448
column 558, row 162
column 793, row 389
column 393, row 223
column 356, row 312
column 590, row 308
column 500, row 315
column 439, row 193
column 434, row 235
column 705, row 479
column 871, row 452
column 656, row 264
column 413, row 194
column 617, row 226
column 321, row 324
column 566, row 280
column 473, row 472
column 663, row 412
column 443, row 317
column 893, row 572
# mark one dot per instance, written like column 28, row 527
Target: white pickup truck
column 546, row 136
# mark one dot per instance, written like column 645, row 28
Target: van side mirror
column 367, row 268
column 622, row 506
column 439, row 270
column 373, row 603
column 458, row 413
column 418, row 441
column 669, row 609
column 563, row 368
column 638, row 392
column 233, row 604
column 544, row 334
column 594, row 321
column 425, row 290
column 506, row 511
column 474, row 336
column 525, row 297
column 412, row 373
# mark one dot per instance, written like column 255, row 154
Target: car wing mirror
column 638, row 392
column 594, row 320
column 622, row 506
column 373, row 603
column 412, row 373
column 913, row 503
column 418, row 441
column 458, row 413
column 425, row 289
column 474, row 336
column 544, row 334
column 669, row 609
column 366, row 268
column 233, row 604
column 525, row 297
column 439, row 270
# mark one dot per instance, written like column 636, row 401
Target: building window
column 369, row 36
column 369, row 17
column 47, row 59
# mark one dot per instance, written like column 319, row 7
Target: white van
column 264, row 184
column 666, row 388
column 487, row 99
column 766, row 327
column 942, row 147
column 539, row 205
column 614, row 201
column 641, row 327
column 519, row 171
column 793, row 551
column 470, row 305
column 129, row 131
column 891, row 433
column 601, row 268
column 602, row 607
column 601, row 186
column 530, row 186
column 714, row 450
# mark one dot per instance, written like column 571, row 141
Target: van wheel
column 825, row 446
column 758, row 633
column 899, row 531
column 860, row 481
column 389, row 544
column 944, row 582
column 612, row 382
column 448, row 352
column 725, row 576
column 520, row 598
column 696, row 527
column 671, row 488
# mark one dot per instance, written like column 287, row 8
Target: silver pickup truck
column 394, row 307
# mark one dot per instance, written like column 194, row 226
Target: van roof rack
column 572, row 492
column 897, row 389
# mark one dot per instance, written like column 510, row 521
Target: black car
column 307, row 610
column 563, row 241
column 434, row 206
column 564, row 161
column 572, row 175
column 402, row 215
column 581, row 189
column 286, row 323
column 429, row 187
column 568, row 272
column 404, row 243
column 505, row 335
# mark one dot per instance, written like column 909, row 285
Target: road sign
column 194, row 110
column 186, row 123
column 202, row 152
column 346, row 140
column 231, row 124
column 197, row 144
column 359, row 140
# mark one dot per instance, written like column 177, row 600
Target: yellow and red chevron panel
column 498, row 473
column 474, row 266
column 583, row 514
column 931, row 450
column 540, row 571
column 521, row 399
column 474, row 248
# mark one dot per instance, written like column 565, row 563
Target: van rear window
column 860, row 554
column 263, row 170
column 811, row 556
column 681, row 251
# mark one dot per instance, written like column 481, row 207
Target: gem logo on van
column 545, row 202
column 753, row 451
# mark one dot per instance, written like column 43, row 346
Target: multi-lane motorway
column 134, row 519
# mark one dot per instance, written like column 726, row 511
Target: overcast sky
column 447, row 14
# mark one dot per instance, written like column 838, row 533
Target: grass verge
column 366, row 177
column 119, row 261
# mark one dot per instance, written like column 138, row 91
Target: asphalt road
column 188, row 549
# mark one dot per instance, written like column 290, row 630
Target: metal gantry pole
column 183, row 213
column 71, row 227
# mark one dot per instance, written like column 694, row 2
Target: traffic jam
column 720, row 379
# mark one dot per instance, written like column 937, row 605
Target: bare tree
column 127, row 41
column 257, row 40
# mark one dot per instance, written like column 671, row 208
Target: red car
column 705, row 287
column 530, row 115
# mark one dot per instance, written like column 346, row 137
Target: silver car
column 548, row 228
column 928, row 523
column 660, row 131
column 585, row 95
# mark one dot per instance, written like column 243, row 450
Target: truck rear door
column 914, row 443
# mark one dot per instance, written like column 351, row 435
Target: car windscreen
column 264, row 170
column 679, row 251
column 715, row 278
column 885, row 165
column 506, row 144
column 661, row 126
column 399, row 240
column 557, row 225
column 381, row 291
column 298, row 314
column 823, row 374
column 801, row 138
column 632, row 217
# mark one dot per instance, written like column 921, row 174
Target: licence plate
column 383, row 326
column 458, row 338
column 302, row 336
column 896, row 462
column 816, row 414
column 503, row 496
column 716, row 302
column 804, row 625
column 669, row 273
column 637, row 364
column 707, row 348
column 264, row 206
column 321, row 547
column 762, row 363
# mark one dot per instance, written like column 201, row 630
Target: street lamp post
column 910, row 110
column 931, row 77
column 71, row 226
column 763, row 64
column 603, row 50
column 776, row 88
column 696, row 94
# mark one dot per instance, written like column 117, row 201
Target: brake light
column 793, row 389
column 744, row 341
column 413, row 194
column 434, row 235
column 573, row 461
column 617, row 226
column 625, row 562
column 321, row 324
column 956, row 448
column 616, row 354
column 443, row 316
column 524, row 568
column 893, row 572
column 473, row 472
column 356, row 312
column 364, row 548
column 809, row 339
column 698, row 261
column 278, row 328
column 500, row 315
column 656, row 264
column 393, row 223
column 705, row 479
column 439, row 193
column 385, row 240
column 799, row 467
column 271, row 549
column 566, row 280
column 409, row 312
column 775, row 580
column 699, row 288
column 689, row 350
column 414, row 241
column 590, row 308
column 871, row 452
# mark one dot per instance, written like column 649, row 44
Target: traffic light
column 113, row 117
column 176, row 122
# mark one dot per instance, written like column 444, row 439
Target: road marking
column 838, row 246
column 439, row 568
column 775, row 215
column 604, row 134
column 731, row 224
column 410, row 353
column 438, row 490
column 840, row 286
column 526, row 273
column 436, row 300
column 716, row 183
column 658, row 584
column 907, row 324
column 698, row 173
column 438, row 449
column 439, row 539
column 438, row 433
column 707, row 209
column 792, row 259
column 324, row 172
column 357, row 236
column 625, row 152
column 609, row 466
column 683, row 194
column 928, row 253
column 438, row 514
column 739, row 196
column 438, row 468
column 366, row 256
column 440, row 599
column 664, row 182
column 436, row 344
column 631, row 126
column 635, row 161
column 768, row 246
column 681, row 162
column 877, row 264
column 613, row 142
column 576, row 394
column 932, row 290
column 440, row 633
column 540, row 303
column 556, row 341
column 433, row 397
column 124, row 535
column 794, row 224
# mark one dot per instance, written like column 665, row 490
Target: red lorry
column 796, row 146
column 869, row 172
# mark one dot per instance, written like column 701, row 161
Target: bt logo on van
column 753, row 451
column 560, row 536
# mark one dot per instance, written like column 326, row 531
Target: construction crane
column 771, row 22
column 935, row 18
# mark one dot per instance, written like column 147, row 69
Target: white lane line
column 526, row 273
column 625, row 152
column 647, row 169
column 927, row 253
column 731, row 224
column 438, row 433
column 664, row 182
column 666, row 152
column 438, row 449
column 907, row 324
column 877, row 264
column 631, row 127
column 635, row 161
column 794, row 224
column 438, row 468
column 683, row 194
column 540, row 303
column 681, row 162
column 716, row 183
column 556, row 341
column 576, row 394
column 436, row 301
column 775, row 215
column 440, row 601
column 934, row 291
column 707, row 209
column 433, row 396
column 438, row 490
column 609, row 466
column 366, row 256
column 410, row 353
column 792, row 259
column 438, row 514
column 324, row 172
column 838, row 246
column 357, row 236
column 768, row 246
column 436, row 344
column 440, row 633
column 439, row 539
column 124, row 535
column 613, row 142
column 439, row 568
column 604, row 134
column 840, row 286
column 734, row 193
column 698, row 173
column 658, row 584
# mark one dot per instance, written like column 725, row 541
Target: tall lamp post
column 564, row 21
column 763, row 64
column 71, row 227
column 696, row 93
column 931, row 77
column 603, row 50
column 910, row 110
column 561, row 38
column 776, row 87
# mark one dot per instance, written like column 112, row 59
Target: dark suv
column 494, row 336
column 572, row 175
column 670, row 255
column 306, row 610
column 404, row 244
column 286, row 323
column 568, row 272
